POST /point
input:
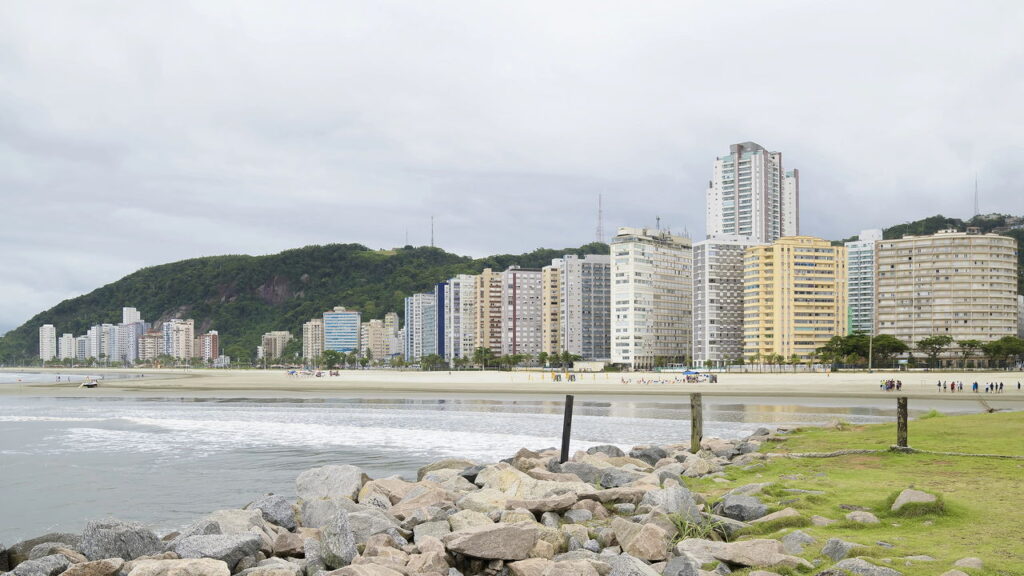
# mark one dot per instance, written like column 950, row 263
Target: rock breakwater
column 602, row 513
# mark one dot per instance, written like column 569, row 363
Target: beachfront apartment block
column 272, row 344
column 1020, row 316
column 208, row 347
column 373, row 339
column 341, row 329
column 718, row 299
column 585, row 303
column 794, row 298
column 459, row 317
column 66, row 347
column 47, row 342
column 957, row 284
column 750, row 194
column 860, row 281
column 651, row 298
column 420, row 326
column 313, row 339
column 521, row 309
column 487, row 311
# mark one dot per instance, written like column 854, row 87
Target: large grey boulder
column 742, row 508
column 626, row 565
column 684, row 565
column 338, row 542
column 615, row 477
column 608, row 449
column 672, row 499
column 862, row 567
column 493, row 542
column 45, row 566
column 51, row 548
column 276, row 510
column 909, row 496
column 19, row 551
column 587, row 472
column 330, row 482
column 369, row 521
column 862, row 517
column 320, row 513
column 183, row 567
column 649, row 454
column 759, row 553
column 236, row 521
column 459, row 464
column 229, row 548
column 837, row 549
column 794, row 542
column 117, row 539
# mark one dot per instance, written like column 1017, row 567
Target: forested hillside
column 244, row 296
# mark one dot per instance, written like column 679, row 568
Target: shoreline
column 277, row 383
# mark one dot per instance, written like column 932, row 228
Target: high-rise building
column 459, row 317
column 551, row 307
column 521, row 311
column 957, row 284
column 420, row 326
column 341, row 330
column 860, row 281
column 95, row 336
column 274, row 343
column 179, row 338
column 794, row 297
column 313, row 339
column 127, row 348
column 47, row 342
column 1020, row 316
column 585, row 306
column 651, row 298
column 488, row 311
column 82, row 348
column 375, row 344
column 718, row 300
column 750, row 194
column 394, row 339
column 108, row 342
column 209, row 346
column 66, row 347
column 151, row 345
column 130, row 315
column 439, row 340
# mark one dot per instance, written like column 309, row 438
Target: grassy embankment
column 983, row 497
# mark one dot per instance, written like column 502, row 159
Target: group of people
column 890, row 385
column 991, row 387
column 687, row 379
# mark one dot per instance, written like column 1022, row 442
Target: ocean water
column 165, row 463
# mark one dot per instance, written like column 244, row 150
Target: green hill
column 244, row 296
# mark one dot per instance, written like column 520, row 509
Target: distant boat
column 89, row 384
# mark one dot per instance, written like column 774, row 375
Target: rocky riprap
column 602, row 513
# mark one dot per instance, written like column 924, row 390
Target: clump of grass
column 706, row 529
column 933, row 413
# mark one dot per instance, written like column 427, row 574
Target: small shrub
column 706, row 529
column 914, row 509
column 933, row 413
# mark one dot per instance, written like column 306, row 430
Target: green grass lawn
column 983, row 497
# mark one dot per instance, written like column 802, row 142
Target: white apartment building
column 651, row 294
column 860, row 281
column 487, row 333
column 521, row 311
column 374, row 343
column 419, row 310
column 1020, row 316
column 130, row 315
column 718, row 299
column 274, row 343
column 47, row 342
column 67, row 348
column 957, row 284
column 551, row 307
column 585, row 306
column 750, row 194
column 81, row 348
column 313, row 339
column 179, row 338
column 460, row 317
column 395, row 340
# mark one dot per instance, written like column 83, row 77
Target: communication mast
column 600, row 220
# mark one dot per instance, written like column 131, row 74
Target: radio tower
column 976, row 210
column 431, row 231
column 600, row 220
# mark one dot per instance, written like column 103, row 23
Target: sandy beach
column 278, row 383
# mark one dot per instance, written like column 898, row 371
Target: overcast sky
column 135, row 133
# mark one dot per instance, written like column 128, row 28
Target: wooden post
column 566, row 427
column 901, row 421
column 696, row 421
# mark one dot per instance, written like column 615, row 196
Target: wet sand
column 278, row 383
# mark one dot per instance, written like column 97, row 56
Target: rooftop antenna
column 657, row 220
column 600, row 220
column 431, row 231
column 976, row 210
column 407, row 236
